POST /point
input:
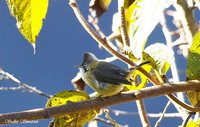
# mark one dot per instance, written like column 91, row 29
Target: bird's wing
column 110, row 73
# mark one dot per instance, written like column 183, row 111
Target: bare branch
column 10, row 88
column 150, row 115
column 96, row 26
column 94, row 22
column 27, row 87
column 104, row 121
column 45, row 113
column 163, row 114
column 123, row 28
column 108, row 122
column 142, row 113
column 106, row 111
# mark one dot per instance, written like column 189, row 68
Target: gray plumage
column 105, row 78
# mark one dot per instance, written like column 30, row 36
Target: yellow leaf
column 75, row 119
column 29, row 15
column 192, row 123
column 139, row 79
column 194, row 97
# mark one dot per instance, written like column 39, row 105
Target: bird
column 105, row 78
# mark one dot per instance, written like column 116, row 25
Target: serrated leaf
column 130, row 55
column 194, row 97
column 147, row 57
column 143, row 15
column 192, row 123
column 193, row 69
column 71, row 120
column 162, row 55
column 193, row 63
column 29, row 15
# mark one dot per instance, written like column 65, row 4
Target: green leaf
column 71, row 120
column 29, row 15
column 193, row 63
column 194, row 97
column 143, row 15
column 193, row 68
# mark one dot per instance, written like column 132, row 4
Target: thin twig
column 186, row 17
column 97, row 103
column 98, row 30
column 182, row 41
column 142, row 113
column 96, row 26
column 121, row 57
column 185, row 122
column 27, row 87
column 104, row 121
column 113, row 36
column 150, row 115
column 163, row 114
column 106, row 111
column 108, row 122
column 10, row 88
column 123, row 28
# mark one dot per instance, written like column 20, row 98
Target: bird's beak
column 78, row 66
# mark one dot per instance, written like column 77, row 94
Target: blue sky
column 60, row 47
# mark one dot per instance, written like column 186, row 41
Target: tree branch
column 123, row 28
column 45, row 113
column 142, row 113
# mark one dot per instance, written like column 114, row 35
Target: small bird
column 105, row 78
